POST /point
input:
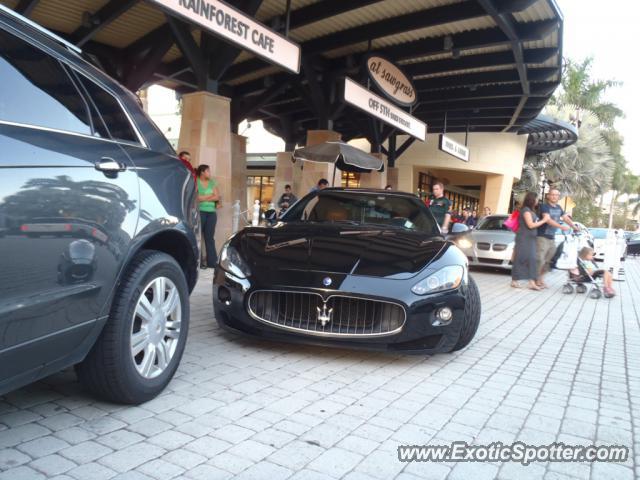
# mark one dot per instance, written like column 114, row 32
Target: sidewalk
column 543, row 367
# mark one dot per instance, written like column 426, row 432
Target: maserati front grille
column 338, row 315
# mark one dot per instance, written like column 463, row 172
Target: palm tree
column 589, row 167
column 579, row 89
column 582, row 170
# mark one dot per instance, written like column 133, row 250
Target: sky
column 608, row 31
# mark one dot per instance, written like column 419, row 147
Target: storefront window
column 260, row 188
column 350, row 180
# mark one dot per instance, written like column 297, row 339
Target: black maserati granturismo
column 351, row 268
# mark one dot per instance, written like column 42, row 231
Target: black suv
column 98, row 225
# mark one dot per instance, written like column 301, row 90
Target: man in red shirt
column 185, row 158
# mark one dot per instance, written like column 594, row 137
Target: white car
column 490, row 244
column 599, row 242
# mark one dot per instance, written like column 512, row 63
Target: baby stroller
column 578, row 275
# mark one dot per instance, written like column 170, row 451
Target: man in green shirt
column 440, row 206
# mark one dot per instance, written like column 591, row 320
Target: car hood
column 357, row 250
column 493, row 236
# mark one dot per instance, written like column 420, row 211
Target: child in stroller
column 588, row 272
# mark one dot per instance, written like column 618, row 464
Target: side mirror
column 271, row 216
column 459, row 228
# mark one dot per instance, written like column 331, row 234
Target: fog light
column 224, row 295
column 442, row 317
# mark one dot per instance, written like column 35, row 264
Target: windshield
column 599, row 233
column 492, row 223
column 364, row 208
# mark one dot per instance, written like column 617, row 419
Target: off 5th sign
column 233, row 25
column 372, row 104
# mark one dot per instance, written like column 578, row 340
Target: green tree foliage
column 592, row 166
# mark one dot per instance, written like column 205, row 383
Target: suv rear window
column 37, row 90
column 117, row 121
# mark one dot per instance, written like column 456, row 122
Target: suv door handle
column 109, row 165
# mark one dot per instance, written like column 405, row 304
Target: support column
column 393, row 178
column 284, row 174
column 205, row 132
column 374, row 179
column 496, row 193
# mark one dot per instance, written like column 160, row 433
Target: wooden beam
column 101, row 19
column 507, row 23
column 484, row 78
column 143, row 69
column 25, row 7
column 470, row 62
column 189, row 48
column 420, row 19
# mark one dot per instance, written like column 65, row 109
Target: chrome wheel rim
column 155, row 329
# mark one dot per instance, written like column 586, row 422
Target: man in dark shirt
column 546, row 246
column 286, row 199
column 469, row 220
column 440, row 206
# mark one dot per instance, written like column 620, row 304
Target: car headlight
column 232, row 262
column 464, row 243
column 446, row 278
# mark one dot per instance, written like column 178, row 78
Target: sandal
column 535, row 287
column 516, row 285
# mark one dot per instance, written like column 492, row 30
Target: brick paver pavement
column 544, row 367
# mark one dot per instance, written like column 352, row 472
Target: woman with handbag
column 524, row 261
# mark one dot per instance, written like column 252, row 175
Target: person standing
column 286, row 199
column 322, row 184
column 207, row 197
column 185, row 158
column 524, row 259
column 440, row 206
column 469, row 220
column 546, row 244
column 487, row 211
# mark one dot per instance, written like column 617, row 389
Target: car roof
column 373, row 191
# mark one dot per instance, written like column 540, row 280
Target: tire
column 595, row 293
column 581, row 288
column 110, row 370
column 472, row 310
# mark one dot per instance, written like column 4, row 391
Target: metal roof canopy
column 547, row 134
column 488, row 65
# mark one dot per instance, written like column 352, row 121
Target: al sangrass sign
column 233, row 25
column 370, row 103
column 391, row 81
column 454, row 148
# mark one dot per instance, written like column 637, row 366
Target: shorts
column 545, row 250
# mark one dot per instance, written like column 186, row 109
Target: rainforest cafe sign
column 391, row 81
column 225, row 21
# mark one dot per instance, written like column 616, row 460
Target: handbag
column 513, row 222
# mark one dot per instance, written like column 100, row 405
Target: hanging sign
column 391, row 81
column 233, row 25
column 454, row 148
column 370, row 103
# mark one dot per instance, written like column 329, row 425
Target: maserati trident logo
column 324, row 314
